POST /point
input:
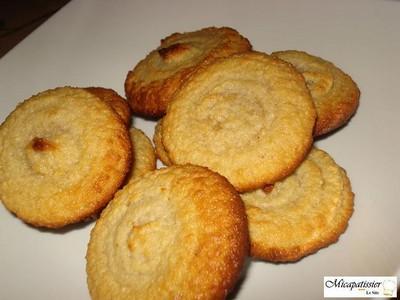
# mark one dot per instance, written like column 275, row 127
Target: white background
column 95, row 43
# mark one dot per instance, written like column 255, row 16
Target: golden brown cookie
column 303, row 213
column 175, row 233
column 160, row 150
column 335, row 94
column 64, row 153
column 248, row 117
column 111, row 97
column 151, row 84
column 144, row 158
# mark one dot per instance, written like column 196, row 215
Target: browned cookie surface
column 144, row 157
column 335, row 94
column 111, row 97
column 175, row 233
column 159, row 147
column 64, row 153
column 304, row 212
column 151, row 84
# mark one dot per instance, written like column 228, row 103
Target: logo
column 360, row 286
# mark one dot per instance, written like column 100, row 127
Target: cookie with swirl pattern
column 335, row 94
column 175, row 233
column 248, row 117
column 151, row 84
column 64, row 153
column 301, row 214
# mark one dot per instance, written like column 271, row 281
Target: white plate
column 95, row 43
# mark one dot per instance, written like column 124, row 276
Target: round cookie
column 160, row 150
column 111, row 97
column 335, row 94
column 63, row 154
column 304, row 212
column 144, row 158
column 248, row 117
column 175, row 233
column 151, row 84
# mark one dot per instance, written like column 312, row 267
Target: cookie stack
column 236, row 129
column 252, row 117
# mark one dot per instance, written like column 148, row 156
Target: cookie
column 111, row 97
column 175, row 233
column 248, row 117
column 335, row 94
column 63, row 154
column 159, row 147
column 303, row 213
column 151, row 84
column 144, row 158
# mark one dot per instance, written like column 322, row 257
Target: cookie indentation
column 319, row 83
column 174, row 51
column 219, row 112
column 55, row 156
column 42, row 144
